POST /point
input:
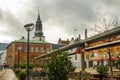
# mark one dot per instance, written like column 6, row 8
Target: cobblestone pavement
column 8, row 75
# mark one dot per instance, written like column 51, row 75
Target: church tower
column 38, row 30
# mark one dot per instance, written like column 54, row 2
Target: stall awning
column 105, row 59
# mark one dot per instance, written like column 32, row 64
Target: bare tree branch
column 105, row 25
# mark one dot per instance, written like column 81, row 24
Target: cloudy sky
column 60, row 18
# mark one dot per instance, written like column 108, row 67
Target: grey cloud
column 11, row 22
column 68, row 13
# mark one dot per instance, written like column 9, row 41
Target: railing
column 37, row 75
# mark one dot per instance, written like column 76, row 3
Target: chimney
column 67, row 39
column 85, row 33
column 79, row 37
column 59, row 39
column 72, row 38
column 23, row 37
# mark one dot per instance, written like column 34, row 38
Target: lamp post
column 29, row 27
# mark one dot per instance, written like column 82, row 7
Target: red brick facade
column 20, row 48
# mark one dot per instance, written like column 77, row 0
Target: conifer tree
column 59, row 66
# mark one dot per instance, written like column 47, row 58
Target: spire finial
column 38, row 14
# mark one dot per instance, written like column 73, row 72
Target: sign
column 77, row 51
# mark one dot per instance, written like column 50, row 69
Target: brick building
column 19, row 48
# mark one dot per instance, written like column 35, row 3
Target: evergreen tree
column 59, row 66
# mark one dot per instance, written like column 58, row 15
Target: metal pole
column 28, row 57
column 82, row 62
column 110, row 63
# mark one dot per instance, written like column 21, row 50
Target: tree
column 106, row 24
column 59, row 66
column 102, row 70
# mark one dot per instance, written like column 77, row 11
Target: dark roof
column 3, row 46
column 56, row 46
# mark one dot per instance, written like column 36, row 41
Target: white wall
column 75, row 59
column 3, row 57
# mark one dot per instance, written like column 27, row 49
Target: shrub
column 17, row 71
column 102, row 70
column 15, row 66
column 84, row 77
column 31, row 66
column 118, row 64
column 22, row 75
column 23, row 66
column 43, row 66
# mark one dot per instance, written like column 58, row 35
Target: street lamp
column 29, row 27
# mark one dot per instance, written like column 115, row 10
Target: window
column 75, row 57
column 32, row 58
column 32, row 49
column 20, row 59
column 36, row 49
column 48, row 50
column 42, row 50
column 19, row 48
column 25, row 49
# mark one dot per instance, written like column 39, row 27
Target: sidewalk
column 8, row 75
column 2, row 72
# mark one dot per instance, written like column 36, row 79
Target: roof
column 3, row 46
column 111, row 32
column 63, row 42
column 81, row 42
column 31, row 42
column 56, row 46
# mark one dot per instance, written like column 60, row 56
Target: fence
column 37, row 75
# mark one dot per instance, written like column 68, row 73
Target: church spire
column 38, row 29
column 38, row 16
